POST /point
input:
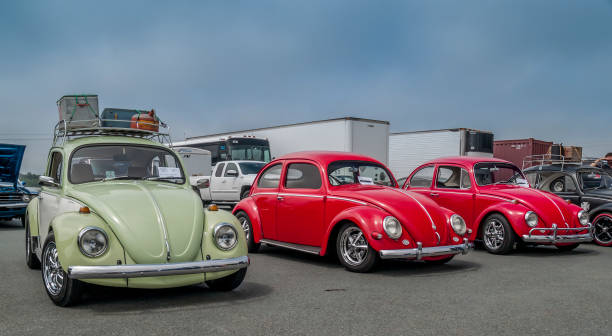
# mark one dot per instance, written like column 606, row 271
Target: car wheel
column 245, row 194
column 245, row 222
column 602, row 229
column 227, row 283
column 558, row 185
column 567, row 247
column 353, row 250
column 62, row 290
column 497, row 235
column 31, row 258
column 440, row 261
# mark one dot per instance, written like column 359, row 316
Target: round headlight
column 392, row 227
column 25, row 197
column 531, row 218
column 458, row 224
column 225, row 236
column 93, row 241
column 583, row 217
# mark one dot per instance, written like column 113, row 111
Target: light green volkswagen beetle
column 118, row 210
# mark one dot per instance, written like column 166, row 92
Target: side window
column 448, row 177
column 423, row 177
column 55, row 169
column 230, row 166
column 271, row 177
column 219, row 169
column 466, row 183
column 302, row 176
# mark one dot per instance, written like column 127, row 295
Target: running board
column 297, row 247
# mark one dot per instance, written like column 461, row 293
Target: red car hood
column 550, row 208
column 418, row 214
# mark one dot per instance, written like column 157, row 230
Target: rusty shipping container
column 516, row 150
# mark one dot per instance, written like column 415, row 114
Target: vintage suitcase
column 118, row 118
column 78, row 111
column 145, row 120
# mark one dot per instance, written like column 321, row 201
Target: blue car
column 14, row 196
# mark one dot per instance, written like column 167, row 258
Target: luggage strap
column 76, row 104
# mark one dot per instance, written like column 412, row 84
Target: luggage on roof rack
column 127, row 118
column 79, row 111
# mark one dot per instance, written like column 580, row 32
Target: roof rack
column 64, row 131
column 547, row 159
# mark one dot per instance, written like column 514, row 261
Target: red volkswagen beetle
column 495, row 199
column 348, row 204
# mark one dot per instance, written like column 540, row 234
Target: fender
column 606, row 207
column 512, row 212
column 209, row 247
column 32, row 214
column 248, row 206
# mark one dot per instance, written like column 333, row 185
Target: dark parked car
column 14, row 197
column 586, row 186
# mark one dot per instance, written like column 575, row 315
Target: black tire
column 245, row 223
column 440, row 261
column 31, row 258
column 493, row 226
column 229, row 282
column 245, row 194
column 558, row 185
column 69, row 291
column 362, row 261
column 567, row 247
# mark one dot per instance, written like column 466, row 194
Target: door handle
column 434, row 194
column 280, row 198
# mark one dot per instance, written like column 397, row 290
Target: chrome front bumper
column 153, row 270
column 13, row 205
column 420, row 251
column 556, row 238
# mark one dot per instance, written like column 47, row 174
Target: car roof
column 326, row 157
column 466, row 160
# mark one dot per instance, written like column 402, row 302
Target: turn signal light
column 84, row 210
column 213, row 207
column 377, row 235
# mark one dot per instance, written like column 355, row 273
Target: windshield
column 251, row 168
column 591, row 180
column 250, row 152
column 111, row 162
column 358, row 172
column 490, row 173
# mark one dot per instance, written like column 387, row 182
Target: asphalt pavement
column 533, row 291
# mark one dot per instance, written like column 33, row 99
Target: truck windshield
column 249, row 168
column 250, row 152
column 359, row 172
column 489, row 173
column 126, row 162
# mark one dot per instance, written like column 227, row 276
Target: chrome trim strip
column 496, row 197
column 297, row 247
column 556, row 238
column 265, row 193
column 153, row 270
column 301, row 195
column 13, row 205
column 420, row 252
column 347, row 199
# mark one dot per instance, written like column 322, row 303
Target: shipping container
column 357, row 135
column 516, row 151
column 408, row 150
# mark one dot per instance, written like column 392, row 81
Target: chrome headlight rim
column 216, row 230
column 26, row 197
column 585, row 218
column 529, row 221
column 459, row 231
column 386, row 222
column 83, row 232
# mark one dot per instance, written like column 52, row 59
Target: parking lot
column 533, row 291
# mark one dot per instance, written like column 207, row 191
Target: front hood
column 143, row 213
column 419, row 215
column 10, row 162
column 550, row 208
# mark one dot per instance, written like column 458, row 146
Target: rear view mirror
column 203, row 183
column 47, row 182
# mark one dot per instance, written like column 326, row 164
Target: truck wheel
column 62, row 290
column 227, row 283
column 497, row 235
column 353, row 250
column 245, row 194
column 31, row 258
column 245, row 222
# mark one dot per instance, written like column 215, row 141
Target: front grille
column 10, row 198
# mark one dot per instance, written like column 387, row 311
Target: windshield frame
column 497, row 183
column 364, row 162
column 170, row 151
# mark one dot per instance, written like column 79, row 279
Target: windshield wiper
column 157, row 178
column 121, row 178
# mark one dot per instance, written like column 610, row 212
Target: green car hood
column 143, row 213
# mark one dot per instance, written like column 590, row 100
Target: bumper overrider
column 154, row 270
column 17, row 205
column 550, row 235
column 420, row 251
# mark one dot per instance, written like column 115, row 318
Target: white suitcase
column 79, row 111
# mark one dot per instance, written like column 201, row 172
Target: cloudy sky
column 521, row 69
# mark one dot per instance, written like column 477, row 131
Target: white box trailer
column 357, row 135
column 408, row 150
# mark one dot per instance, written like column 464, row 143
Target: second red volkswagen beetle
column 495, row 199
column 347, row 204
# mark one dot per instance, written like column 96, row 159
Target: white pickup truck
column 230, row 181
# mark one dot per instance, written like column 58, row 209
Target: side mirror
column 231, row 172
column 47, row 182
column 23, row 183
column 203, row 183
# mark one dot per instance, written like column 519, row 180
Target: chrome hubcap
column 52, row 270
column 245, row 226
column 494, row 234
column 353, row 246
column 603, row 229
